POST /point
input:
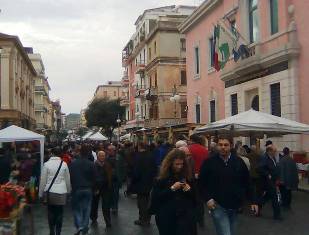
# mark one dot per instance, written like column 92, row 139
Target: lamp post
column 118, row 122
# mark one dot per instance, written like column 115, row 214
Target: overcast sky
column 80, row 40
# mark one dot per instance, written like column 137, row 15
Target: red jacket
column 199, row 154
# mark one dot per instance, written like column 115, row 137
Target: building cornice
column 205, row 8
column 18, row 44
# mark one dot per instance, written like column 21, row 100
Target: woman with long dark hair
column 174, row 196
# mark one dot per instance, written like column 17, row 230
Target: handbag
column 46, row 193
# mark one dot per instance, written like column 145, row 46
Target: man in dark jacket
column 142, row 182
column 269, row 172
column 82, row 173
column 225, row 182
column 288, row 175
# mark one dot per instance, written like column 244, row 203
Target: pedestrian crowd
column 173, row 183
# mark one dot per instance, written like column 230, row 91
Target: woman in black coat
column 174, row 197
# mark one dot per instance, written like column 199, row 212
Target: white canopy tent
column 88, row 134
column 16, row 134
column 97, row 137
column 255, row 124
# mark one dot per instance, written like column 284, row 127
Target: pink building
column 271, row 74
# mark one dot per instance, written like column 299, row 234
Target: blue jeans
column 224, row 220
column 81, row 205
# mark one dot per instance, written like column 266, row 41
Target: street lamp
column 118, row 122
column 175, row 98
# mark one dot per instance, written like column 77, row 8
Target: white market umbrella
column 254, row 123
column 97, row 137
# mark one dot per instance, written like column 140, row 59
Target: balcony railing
column 40, row 108
column 140, row 66
column 151, row 93
column 140, row 91
column 164, row 122
column 124, row 101
column 125, row 78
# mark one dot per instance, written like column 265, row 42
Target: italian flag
column 224, row 42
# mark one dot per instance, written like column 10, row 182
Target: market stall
column 15, row 197
column 16, row 134
column 97, row 137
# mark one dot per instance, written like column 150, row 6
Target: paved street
column 295, row 221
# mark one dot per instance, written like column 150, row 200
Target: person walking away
column 102, row 189
column 113, row 161
column 288, row 178
column 269, row 172
column 5, row 166
column 254, row 157
column 55, row 183
column 199, row 154
column 142, row 182
column 82, row 178
column 224, row 182
column 173, row 198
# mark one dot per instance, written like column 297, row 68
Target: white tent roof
column 97, row 136
column 88, row 134
column 254, row 123
column 15, row 133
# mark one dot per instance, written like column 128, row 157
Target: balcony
column 125, row 79
column 140, row 67
column 261, row 60
column 140, row 91
column 40, row 89
column 124, row 101
column 151, row 93
column 40, row 108
column 164, row 122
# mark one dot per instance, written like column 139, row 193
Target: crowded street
column 295, row 221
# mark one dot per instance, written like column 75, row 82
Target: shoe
column 78, row 231
column 140, row 223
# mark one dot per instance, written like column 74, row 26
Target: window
column 149, row 53
column 197, row 60
column 253, row 20
column 198, row 113
column 183, row 44
column 273, row 16
column 183, row 77
column 275, row 99
column 211, row 52
column 115, row 93
column 156, row 79
column 212, row 105
column 155, row 47
column 105, row 93
column 183, row 110
column 234, row 105
column 233, row 27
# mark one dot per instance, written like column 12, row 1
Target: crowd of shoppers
column 173, row 183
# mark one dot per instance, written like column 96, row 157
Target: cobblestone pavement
column 295, row 222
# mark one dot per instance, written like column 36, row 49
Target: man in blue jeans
column 225, row 182
column 82, row 173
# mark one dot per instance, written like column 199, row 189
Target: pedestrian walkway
column 295, row 222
